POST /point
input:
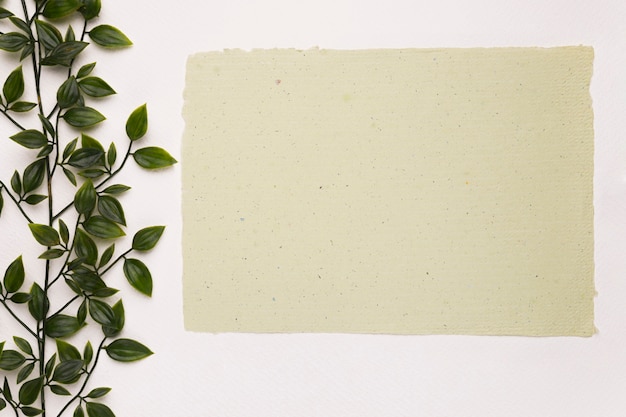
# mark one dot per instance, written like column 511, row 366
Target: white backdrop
column 239, row 375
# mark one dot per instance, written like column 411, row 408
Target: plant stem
column 17, row 203
column 20, row 321
column 115, row 261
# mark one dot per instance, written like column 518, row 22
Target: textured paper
column 389, row 191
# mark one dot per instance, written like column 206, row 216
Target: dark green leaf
column 81, row 314
column 120, row 318
column 78, row 412
column 13, row 87
column 4, row 13
column 44, row 234
column 64, row 231
column 50, row 365
column 70, row 36
column 16, row 183
column 111, row 154
column 110, row 208
column 20, row 24
column 13, row 41
column 22, row 106
column 56, row 9
column 45, row 151
column 116, row 189
column 3, row 404
column 59, row 390
column 109, row 37
column 68, row 94
column 92, row 173
column 69, row 148
column 147, row 238
column 68, row 371
column 34, row 175
column 74, row 287
column 31, row 411
column 6, row 390
column 90, row 9
column 23, row 345
column 98, row 392
column 52, row 254
column 127, row 350
column 137, row 123
column 46, row 124
column 67, row 352
column 85, row 157
column 30, row 138
column 85, row 247
column 105, row 292
column 62, row 326
column 64, row 53
column 70, row 176
column 49, row 36
column 88, row 353
column 30, row 390
column 85, row 70
column 95, row 87
column 11, row 360
column 98, row 410
column 82, row 117
column 90, row 142
column 138, row 275
column 20, row 297
column 25, row 372
column 35, row 199
column 103, row 228
column 14, row 275
column 27, row 51
column 107, row 255
column 38, row 304
column 153, row 158
column 85, row 198
column 101, row 312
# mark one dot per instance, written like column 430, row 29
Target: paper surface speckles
column 389, row 191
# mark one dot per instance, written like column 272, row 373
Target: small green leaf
column 64, row 53
column 69, row 148
column 30, row 390
column 85, row 157
column 78, row 412
column 85, row 198
column 49, row 36
column 90, row 142
column 85, row 247
column 138, row 275
column 116, row 189
column 59, row 390
column 34, row 175
column 44, row 234
column 62, row 325
column 20, row 297
column 6, row 390
column 4, row 13
column 153, row 158
column 92, row 173
column 68, row 371
column 27, row 50
column 127, row 350
column 85, row 70
column 23, row 345
column 64, row 231
column 16, row 183
column 22, row 106
column 14, row 276
column 68, row 94
column 52, row 254
column 137, row 123
column 38, row 304
column 50, row 365
column 3, row 404
column 90, row 9
column 25, row 372
column 20, row 24
column 45, row 151
column 56, row 9
column 109, row 37
column 110, row 208
column 147, row 238
column 13, row 41
column 95, row 87
column 107, row 255
column 11, row 360
column 120, row 318
column 88, row 353
column 103, row 228
column 35, row 199
column 83, row 117
column 98, row 410
column 98, row 392
column 111, row 154
column 30, row 138
column 14, row 85
column 101, row 312
column 70, row 176
column 81, row 314
column 70, row 36
column 67, row 352
column 30, row 411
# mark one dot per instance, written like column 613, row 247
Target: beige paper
column 404, row 191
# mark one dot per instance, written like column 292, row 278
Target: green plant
column 76, row 237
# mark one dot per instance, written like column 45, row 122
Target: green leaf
column 110, row 208
column 147, row 238
column 30, row 390
column 109, row 37
column 82, row 117
column 20, row 24
column 20, row 297
column 85, row 70
column 45, row 151
column 92, row 173
column 56, row 9
column 107, row 255
column 67, row 352
column 95, row 87
column 153, row 158
column 85, row 198
column 81, row 314
column 70, row 176
column 22, row 106
column 3, row 404
column 116, row 189
column 111, row 154
column 13, row 87
column 68, row 94
column 88, row 353
column 23, row 345
column 4, row 13
column 13, row 41
column 34, row 175
column 11, row 360
column 25, row 372
column 30, row 138
column 137, row 123
column 35, row 199
column 70, row 36
column 85, row 157
column 103, row 228
column 50, row 365
column 120, row 318
column 59, row 390
column 14, row 276
column 27, row 50
column 52, row 254
column 49, row 36
column 91, row 142
column 105, row 292
column 64, row 231
column 85, row 247
column 68, row 371
column 90, row 9
column 16, row 183
column 98, row 410
column 78, row 412
column 6, row 390
column 138, row 275
column 69, row 148
column 62, row 325
column 64, row 53
column 38, row 304
column 31, row 411
column 98, row 392
column 127, row 350
column 101, row 312
column 44, row 234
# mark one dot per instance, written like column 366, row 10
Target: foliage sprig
column 77, row 238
